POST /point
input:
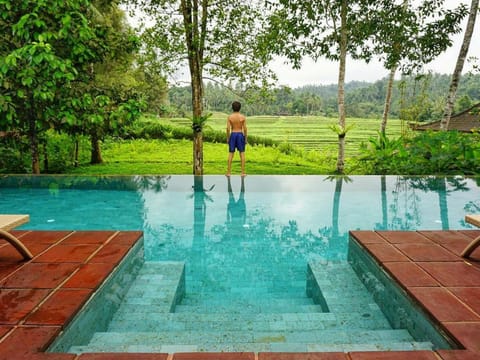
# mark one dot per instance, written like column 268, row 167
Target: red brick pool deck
column 40, row 296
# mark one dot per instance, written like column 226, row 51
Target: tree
column 113, row 91
column 45, row 45
column 408, row 37
column 331, row 29
column 218, row 40
column 459, row 66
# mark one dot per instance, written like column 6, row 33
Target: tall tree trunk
column 96, row 152
column 45, row 156
column 452, row 92
column 197, row 95
column 194, row 37
column 341, row 89
column 388, row 100
column 32, row 134
column 75, row 154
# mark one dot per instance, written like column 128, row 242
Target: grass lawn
column 175, row 157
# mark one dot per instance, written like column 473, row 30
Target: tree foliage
column 45, row 44
column 64, row 65
column 215, row 40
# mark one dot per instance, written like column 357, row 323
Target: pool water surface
column 240, row 255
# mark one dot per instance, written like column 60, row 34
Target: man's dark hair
column 236, row 106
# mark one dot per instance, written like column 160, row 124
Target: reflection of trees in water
column 439, row 185
column 405, row 206
column 156, row 183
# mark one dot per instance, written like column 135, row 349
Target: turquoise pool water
column 240, row 250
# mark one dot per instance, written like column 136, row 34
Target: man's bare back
column 236, row 122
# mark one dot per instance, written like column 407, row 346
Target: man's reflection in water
column 236, row 211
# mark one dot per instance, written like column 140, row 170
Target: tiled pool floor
column 39, row 297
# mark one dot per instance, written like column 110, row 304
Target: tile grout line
column 36, row 256
column 87, row 260
column 55, row 290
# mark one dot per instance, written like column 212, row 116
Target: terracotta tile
column 127, row 237
column 404, row 237
column 453, row 240
column 15, row 304
column 456, row 274
column 39, row 275
column 458, row 355
column 446, row 236
column 88, row 237
column 393, row 355
column 43, row 356
column 214, row 356
column 467, row 333
column 23, row 341
column 10, row 254
column 19, row 233
column 9, row 257
column 443, row 305
column 472, row 234
column 90, row 276
column 303, row 356
column 59, row 308
column 385, row 252
column 454, row 243
column 408, row 274
column 68, row 253
column 44, row 237
column 367, row 237
column 7, row 269
column 426, row 252
column 469, row 295
column 110, row 253
column 4, row 329
column 121, row 356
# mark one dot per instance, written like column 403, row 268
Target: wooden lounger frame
column 9, row 222
column 474, row 220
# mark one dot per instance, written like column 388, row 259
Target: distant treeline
column 415, row 98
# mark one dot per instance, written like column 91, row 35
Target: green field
column 306, row 132
column 316, row 142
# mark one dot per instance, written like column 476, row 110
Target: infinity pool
column 243, row 249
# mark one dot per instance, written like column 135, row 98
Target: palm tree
column 459, row 66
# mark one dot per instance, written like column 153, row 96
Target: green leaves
column 443, row 152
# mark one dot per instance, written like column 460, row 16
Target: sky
column 325, row 72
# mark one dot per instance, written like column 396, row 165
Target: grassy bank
column 175, row 157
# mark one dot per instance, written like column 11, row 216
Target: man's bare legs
column 229, row 163
column 242, row 163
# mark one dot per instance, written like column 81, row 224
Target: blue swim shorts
column 237, row 140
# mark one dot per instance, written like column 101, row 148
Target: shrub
column 441, row 152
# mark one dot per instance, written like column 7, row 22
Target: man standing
column 236, row 136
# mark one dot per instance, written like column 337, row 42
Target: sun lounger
column 9, row 222
column 474, row 220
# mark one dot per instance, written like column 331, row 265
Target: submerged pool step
column 248, row 308
column 246, row 322
column 266, row 340
column 255, row 347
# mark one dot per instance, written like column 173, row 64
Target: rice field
column 306, row 132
